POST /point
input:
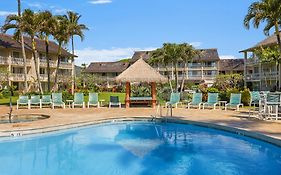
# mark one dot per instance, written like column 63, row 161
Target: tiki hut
column 140, row 72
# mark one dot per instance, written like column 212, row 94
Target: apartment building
column 231, row 66
column 202, row 69
column 260, row 75
column 11, row 60
column 107, row 70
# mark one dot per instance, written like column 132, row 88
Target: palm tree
column 26, row 23
column 14, row 22
column 47, row 23
column 188, row 52
column 268, row 11
column 23, row 50
column 62, row 35
column 74, row 29
column 31, row 26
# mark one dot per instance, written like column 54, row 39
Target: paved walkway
column 64, row 118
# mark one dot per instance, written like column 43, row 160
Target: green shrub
column 6, row 93
column 246, row 97
column 212, row 90
column 66, row 96
column 1, row 95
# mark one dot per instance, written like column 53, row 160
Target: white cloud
column 60, row 11
column 196, row 44
column 35, row 5
column 228, row 57
column 6, row 13
column 100, row 1
column 89, row 55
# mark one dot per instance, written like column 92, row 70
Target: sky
column 117, row 28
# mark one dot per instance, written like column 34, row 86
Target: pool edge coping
column 61, row 127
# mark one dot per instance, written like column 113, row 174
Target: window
column 16, row 54
column 42, row 71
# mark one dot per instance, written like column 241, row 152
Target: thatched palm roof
column 140, row 71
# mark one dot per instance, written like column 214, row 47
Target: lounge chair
column 196, row 101
column 46, row 100
column 93, row 100
column 212, row 100
column 114, row 101
column 23, row 101
column 255, row 98
column 235, row 101
column 78, row 100
column 57, row 100
column 174, row 100
column 35, row 101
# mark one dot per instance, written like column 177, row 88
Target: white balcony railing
column 65, row 65
column 20, row 61
column 3, row 60
column 17, row 77
column 262, row 76
column 43, row 63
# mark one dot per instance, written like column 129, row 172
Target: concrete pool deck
column 68, row 118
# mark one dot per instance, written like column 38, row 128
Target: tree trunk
column 183, row 78
column 35, row 55
column 279, row 44
column 169, row 79
column 23, row 51
column 73, row 67
column 55, row 88
column 48, row 63
column 176, row 76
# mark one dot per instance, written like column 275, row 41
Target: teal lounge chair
column 196, row 101
column 235, row 101
column 46, row 100
column 78, row 100
column 114, row 101
column 93, row 100
column 35, row 101
column 23, row 101
column 57, row 100
column 212, row 100
column 255, row 98
column 174, row 100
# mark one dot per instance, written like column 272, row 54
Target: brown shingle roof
column 231, row 64
column 8, row 41
column 207, row 55
column 269, row 41
column 101, row 67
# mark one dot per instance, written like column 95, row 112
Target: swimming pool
column 139, row 148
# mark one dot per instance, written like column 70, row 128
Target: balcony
column 20, row 62
column 17, row 77
column 262, row 76
column 3, row 60
column 65, row 65
column 43, row 63
column 43, row 77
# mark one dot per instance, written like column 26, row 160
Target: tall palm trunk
column 73, row 67
column 55, row 88
column 176, row 76
column 279, row 44
column 35, row 55
column 48, row 62
column 183, row 77
column 23, row 51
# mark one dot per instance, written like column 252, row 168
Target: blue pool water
column 139, row 148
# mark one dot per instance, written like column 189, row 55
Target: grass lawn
column 6, row 101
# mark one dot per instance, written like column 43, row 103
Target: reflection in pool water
column 135, row 148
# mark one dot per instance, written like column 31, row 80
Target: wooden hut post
column 128, row 92
column 153, row 94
